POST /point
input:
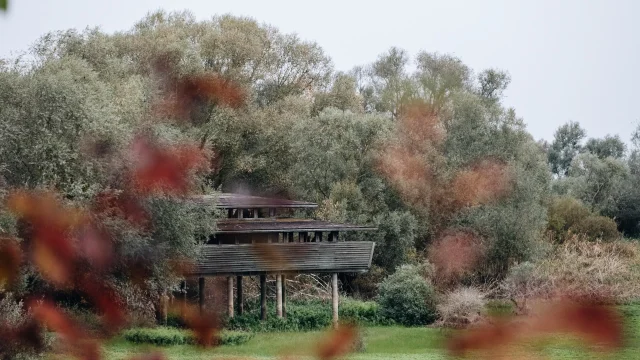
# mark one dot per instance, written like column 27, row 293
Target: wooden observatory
column 256, row 240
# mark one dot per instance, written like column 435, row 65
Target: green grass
column 394, row 343
column 382, row 343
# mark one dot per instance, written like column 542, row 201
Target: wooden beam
column 263, row 297
column 284, row 295
column 230, row 296
column 239, row 296
column 334, row 299
column 279, row 296
column 201, row 293
column 240, row 213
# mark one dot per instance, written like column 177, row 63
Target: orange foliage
column 455, row 254
column 483, row 183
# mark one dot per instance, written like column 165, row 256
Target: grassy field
column 395, row 343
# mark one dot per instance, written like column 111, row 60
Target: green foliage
column 407, row 298
column 565, row 146
column 609, row 146
column 597, row 182
column 596, row 227
column 165, row 336
column 565, row 213
column 309, row 316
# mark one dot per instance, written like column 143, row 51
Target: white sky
column 569, row 60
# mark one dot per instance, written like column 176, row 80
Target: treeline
column 428, row 155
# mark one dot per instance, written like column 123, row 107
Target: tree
column 609, row 146
column 439, row 77
column 597, row 182
column 492, row 83
column 390, row 82
column 565, row 146
column 342, row 95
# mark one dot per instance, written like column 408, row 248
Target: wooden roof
column 241, row 201
column 262, row 225
column 252, row 259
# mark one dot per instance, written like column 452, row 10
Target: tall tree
column 609, row 146
column 565, row 146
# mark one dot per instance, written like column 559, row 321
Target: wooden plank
column 294, row 257
column 239, row 295
column 230, row 296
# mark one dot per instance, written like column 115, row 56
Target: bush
column 462, row 307
column 596, row 227
column 564, row 213
column 13, row 316
column 582, row 270
column 407, row 298
column 165, row 336
column 309, row 316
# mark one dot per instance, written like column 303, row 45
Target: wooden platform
column 255, row 259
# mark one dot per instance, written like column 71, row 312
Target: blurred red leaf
column 185, row 95
column 204, row 325
column 163, row 169
column 598, row 325
column 121, row 204
column 338, row 342
column 52, row 225
column 10, row 260
column 455, row 254
column 47, row 314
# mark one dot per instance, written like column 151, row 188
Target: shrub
column 407, row 298
column 462, row 307
column 564, row 213
column 361, row 312
column 165, row 336
column 582, row 270
column 13, row 316
column 596, row 227
column 309, row 316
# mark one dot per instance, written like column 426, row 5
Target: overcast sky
column 569, row 60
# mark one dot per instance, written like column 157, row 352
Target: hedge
column 166, row 336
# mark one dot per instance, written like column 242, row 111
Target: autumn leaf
column 10, row 259
column 337, row 343
column 160, row 169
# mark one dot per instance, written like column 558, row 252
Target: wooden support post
column 284, row 296
column 183, row 288
column 201, row 294
column 165, row 308
column 263, row 297
column 230, row 296
column 317, row 236
column 279, row 296
column 334, row 299
column 240, row 214
column 333, row 236
column 272, row 212
column 239, row 296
